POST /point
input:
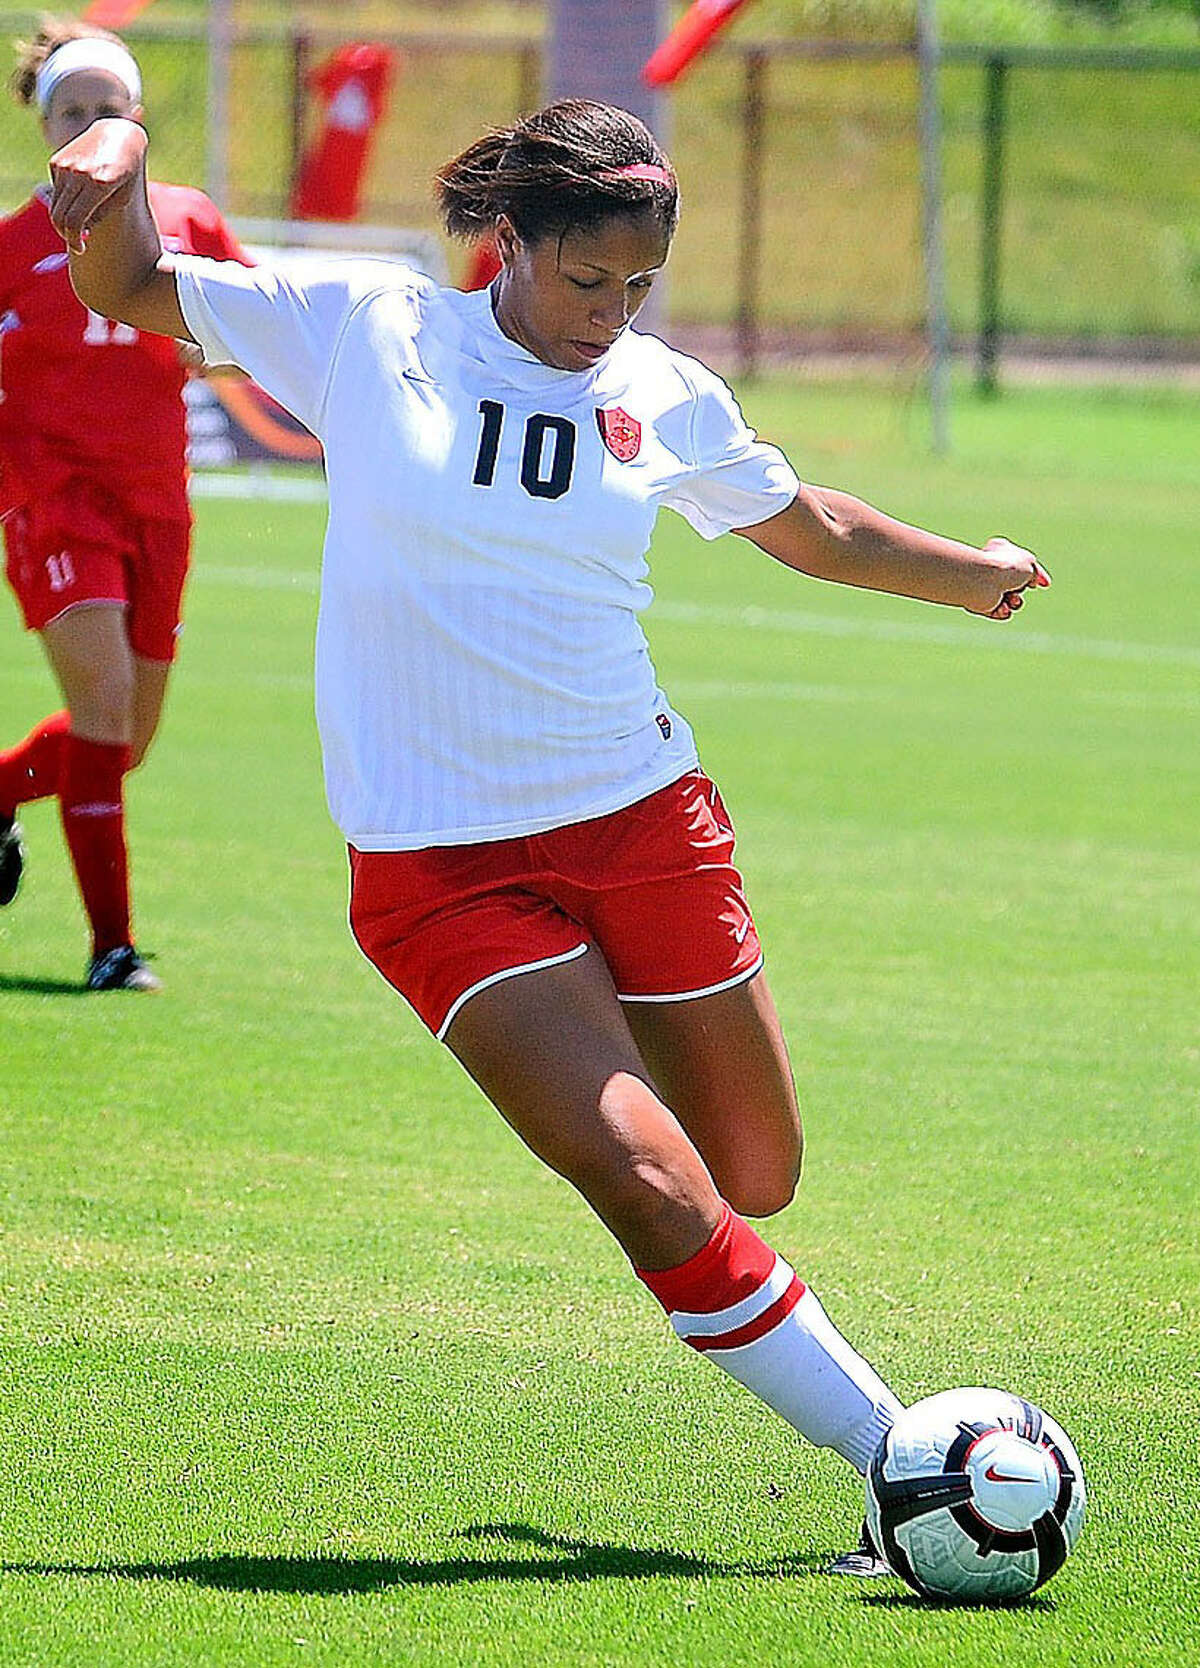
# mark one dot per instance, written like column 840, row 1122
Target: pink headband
column 647, row 171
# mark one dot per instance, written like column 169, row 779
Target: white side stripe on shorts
column 496, row 978
column 706, row 990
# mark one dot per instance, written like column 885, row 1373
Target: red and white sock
column 741, row 1305
column 32, row 769
column 93, row 818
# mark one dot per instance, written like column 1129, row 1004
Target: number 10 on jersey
column 547, row 454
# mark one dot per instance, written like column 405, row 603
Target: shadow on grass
column 562, row 1559
column 31, row 985
column 1036, row 1602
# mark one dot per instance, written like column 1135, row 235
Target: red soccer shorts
column 653, row 887
column 82, row 544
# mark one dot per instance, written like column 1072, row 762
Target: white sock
column 742, row 1305
column 807, row 1372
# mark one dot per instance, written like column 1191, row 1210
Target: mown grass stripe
column 791, row 621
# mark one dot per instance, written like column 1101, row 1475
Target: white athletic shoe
column 865, row 1561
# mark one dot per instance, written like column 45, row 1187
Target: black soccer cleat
column 12, row 859
column 865, row 1561
column 121, row 969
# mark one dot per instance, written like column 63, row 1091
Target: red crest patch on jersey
column 620, row 432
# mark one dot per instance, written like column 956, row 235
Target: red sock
column 734, row 1266
column 93, row 818
column 34, row 766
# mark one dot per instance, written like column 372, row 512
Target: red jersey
column 80, row 394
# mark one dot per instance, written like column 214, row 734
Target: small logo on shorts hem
column 664, row 724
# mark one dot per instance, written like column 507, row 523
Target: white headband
column 89, row 52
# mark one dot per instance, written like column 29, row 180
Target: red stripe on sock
column 733, row 1265
column 758, row 1328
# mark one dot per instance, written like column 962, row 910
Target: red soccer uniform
column 81, row 394
column 93, row 431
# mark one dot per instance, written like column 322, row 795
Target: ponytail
column 568, row 166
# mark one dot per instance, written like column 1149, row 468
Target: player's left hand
column 1017, row 570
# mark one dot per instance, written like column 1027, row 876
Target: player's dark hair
column 53, row 32
column 566, row 167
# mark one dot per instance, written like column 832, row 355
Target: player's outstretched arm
column 101, row 206
column 831, row 535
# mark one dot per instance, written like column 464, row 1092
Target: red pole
column 688, row 39
column 114, row 14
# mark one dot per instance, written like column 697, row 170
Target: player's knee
column 650, row 1201
column 764, row 1184
column 760, row 1196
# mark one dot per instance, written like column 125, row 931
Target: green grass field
column 305, row 1361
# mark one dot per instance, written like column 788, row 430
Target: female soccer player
column 538, row 862
column 97, row 527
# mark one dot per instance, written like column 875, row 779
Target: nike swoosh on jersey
column 52, row 263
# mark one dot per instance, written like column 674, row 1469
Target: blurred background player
column 96, row 520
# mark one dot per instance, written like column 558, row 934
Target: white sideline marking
column 257, row 579
column 295, row 489
column 693, row 689
column 988, row 634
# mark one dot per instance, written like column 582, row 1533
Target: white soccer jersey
column 481, row 669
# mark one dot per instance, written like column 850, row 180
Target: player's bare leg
column 113, row 694
column 150, row 679
column 89, row 652
column 553, row 1051
column 721, row 1064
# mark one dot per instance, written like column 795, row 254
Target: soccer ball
column 975, row 1495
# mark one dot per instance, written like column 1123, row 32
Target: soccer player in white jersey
column 538, row 862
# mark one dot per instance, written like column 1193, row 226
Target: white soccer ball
column 975, row 1495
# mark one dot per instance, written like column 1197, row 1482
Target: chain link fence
column 1072, row 181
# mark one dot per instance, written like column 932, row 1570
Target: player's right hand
column 93, row 175
column 1012, row 570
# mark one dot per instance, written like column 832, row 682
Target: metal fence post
column 991, row 215
column 529, row 78
column 596, row 50
column 750, row 240
column 220, row 68
column 301, row 59
column 932, row 239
